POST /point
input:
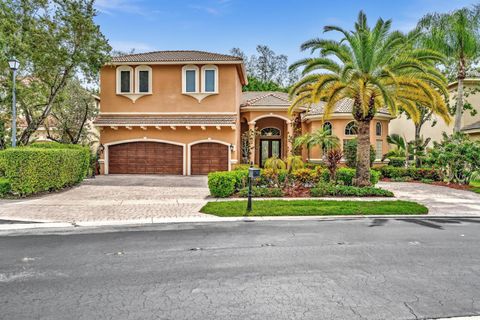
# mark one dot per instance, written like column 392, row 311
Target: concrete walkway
column 441, row 201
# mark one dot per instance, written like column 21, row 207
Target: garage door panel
column 208, row 157
column 146, row 158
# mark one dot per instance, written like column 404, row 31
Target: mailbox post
column 252, row 173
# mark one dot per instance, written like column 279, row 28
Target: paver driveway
column 440, row 201
column 116, row 197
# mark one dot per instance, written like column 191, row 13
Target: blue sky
column 219, row 25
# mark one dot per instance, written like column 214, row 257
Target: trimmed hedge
column 5, row 186
column 410, row 172
column 345, row 176
column 38, row 169
column 223, row 184
column 328, row 189
column 261, row 192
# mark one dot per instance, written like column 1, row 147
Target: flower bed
column 299, row 183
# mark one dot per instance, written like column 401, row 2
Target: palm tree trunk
column 459, row 106
column 362, row 177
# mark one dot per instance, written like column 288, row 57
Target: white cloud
column 125, row 6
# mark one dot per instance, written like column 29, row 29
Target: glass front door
column 268, row 149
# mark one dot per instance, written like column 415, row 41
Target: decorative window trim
column 269, row 128
column 204, row 84
column 119, row 79
column 184, row 78
column 346, row 126
column 137, row 79
column 377, row 125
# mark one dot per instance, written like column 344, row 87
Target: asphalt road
column 346, row 269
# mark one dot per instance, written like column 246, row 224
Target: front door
column 268, row 149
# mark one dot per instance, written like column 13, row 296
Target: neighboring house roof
column 473, row 126
column 269, row 98
column 343, row 106
column 229, row 120
column 473, row 80
column 183, row 56
column 175, row 56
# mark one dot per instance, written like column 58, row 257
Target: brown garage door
column 209, row 156
column 145, row 158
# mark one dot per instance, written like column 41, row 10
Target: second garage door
column 145, row 158
column 209, row 156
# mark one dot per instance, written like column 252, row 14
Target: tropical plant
column 275, row 163
column 399, row 149
column 375, row 68
column 332, row 159
column 294, row 163
column 350, row 153
column 456, row 35
column 320, row 137
column 246, row 144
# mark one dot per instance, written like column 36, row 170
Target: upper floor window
column 143, row 79
column 124, row 79
column 327, row 127
column 190, row 79
column 210, row 79
column 351, row 129
column 378, row 129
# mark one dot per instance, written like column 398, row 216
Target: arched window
column 351, row 129
column 270, row 132
column 378, row 129
column 327, row 126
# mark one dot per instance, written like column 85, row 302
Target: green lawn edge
column 313, row 208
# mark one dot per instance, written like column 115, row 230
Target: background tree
column 375, row 68
column 54, row 40
column 455, row 34
column 72, row 114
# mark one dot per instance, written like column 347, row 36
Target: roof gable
column 265, row 99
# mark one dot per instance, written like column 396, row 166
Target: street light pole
column 14, row 64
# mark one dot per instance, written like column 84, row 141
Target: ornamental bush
column 5, row 186
column 397, row 161
column 350, row 153
column 345, row 176
column 410, row 172
column 39, row 169
column 223, row 184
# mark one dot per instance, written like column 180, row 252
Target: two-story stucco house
column 184, row 112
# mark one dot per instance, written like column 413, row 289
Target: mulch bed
column 439, row 183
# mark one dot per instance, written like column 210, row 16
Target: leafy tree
column 54, row 40
column 350, row 153
column 71, row 114
column 255, row 84
column 455, row 34
column 375, row 68
column 456, row 156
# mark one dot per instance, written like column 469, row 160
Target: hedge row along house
column 184, row 113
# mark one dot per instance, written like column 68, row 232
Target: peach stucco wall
column 167, row 92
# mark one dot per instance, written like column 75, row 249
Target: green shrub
column 328, row 189
column 5, row 186
column 305, row 176
column 403, row 179
column 262, row 192
column 224, row 183
column 31, row 170
column 241, row 167
column 350, row 153
column 397, row 161
column 412, row 172
column 345, row 176
column 426, row 180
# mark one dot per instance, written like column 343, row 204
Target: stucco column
column 289, row 137
column 251, row 128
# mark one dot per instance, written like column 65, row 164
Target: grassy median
column 313, row 208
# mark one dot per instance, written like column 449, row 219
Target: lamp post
column 14, row 64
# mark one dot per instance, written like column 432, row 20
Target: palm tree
column 456, row 35
column 375, row 68
column 320, row 137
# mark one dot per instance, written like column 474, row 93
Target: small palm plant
column 275, row 164
column 320, row 137
column 294, row 163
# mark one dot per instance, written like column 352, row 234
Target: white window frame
column 119, row 79
column 184, row 78
column 381, row 128
column 376, row 149
column 204, row 84
column 137, row 79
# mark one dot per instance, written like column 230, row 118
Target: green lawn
column 313, row 208
column 475, row 185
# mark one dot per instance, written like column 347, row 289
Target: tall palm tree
column 375, row 68
column 320, row 137
column 457, row 36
